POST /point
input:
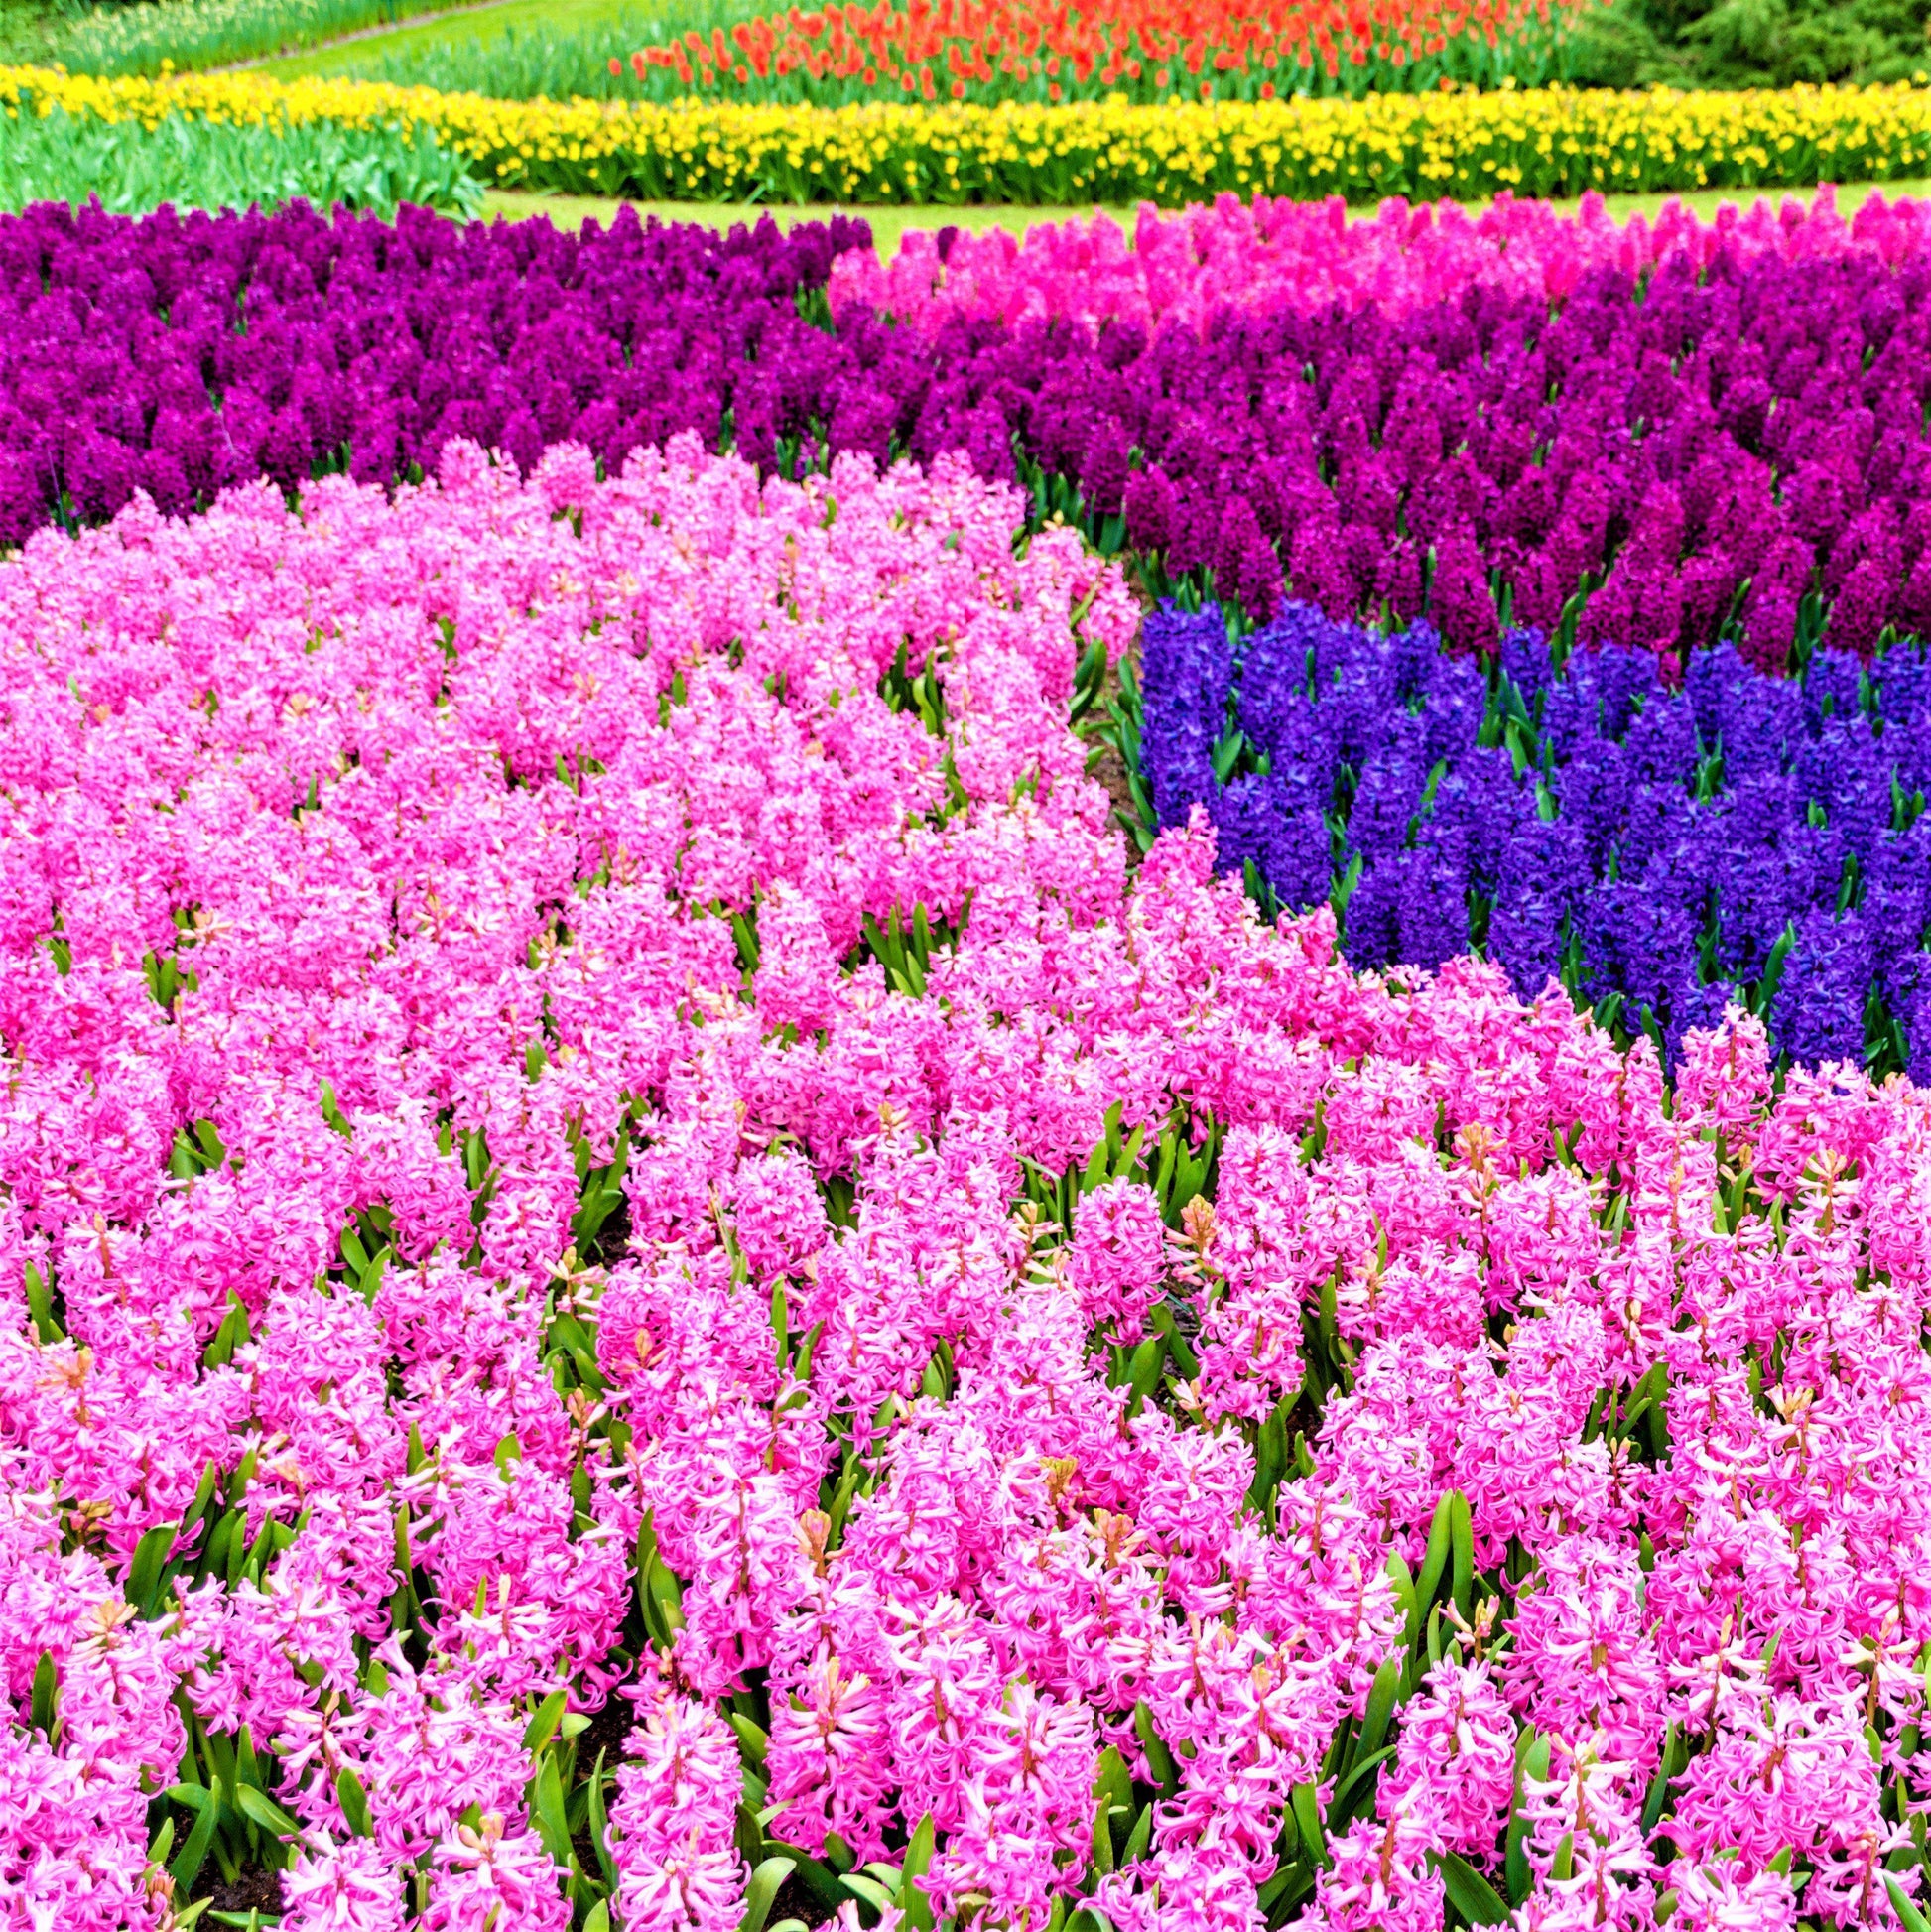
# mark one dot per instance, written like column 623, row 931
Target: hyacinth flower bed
column 1721, row 439
column 366, row 347
column 643, row 1287
column 1658, row 439
column 651, row 1278
column 1661, row 852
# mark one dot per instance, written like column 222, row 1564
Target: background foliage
column 1752, row 43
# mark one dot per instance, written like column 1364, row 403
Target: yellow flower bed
column 1544, row 142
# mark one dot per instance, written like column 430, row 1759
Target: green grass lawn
column 889, row 224
column 550, row 19
column 524, row 14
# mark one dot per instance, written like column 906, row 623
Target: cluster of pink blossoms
column 632, row 1266
column 1266, row 255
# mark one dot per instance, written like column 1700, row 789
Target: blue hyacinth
column 1659, row 851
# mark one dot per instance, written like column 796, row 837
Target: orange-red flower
column 1003, row 50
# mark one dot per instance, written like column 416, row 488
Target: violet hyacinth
column 1729, row 445
column 1652, row 847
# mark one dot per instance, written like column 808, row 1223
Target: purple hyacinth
column 123, row 367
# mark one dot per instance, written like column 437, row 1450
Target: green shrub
column 1752, row 43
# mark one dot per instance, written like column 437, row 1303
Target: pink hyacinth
column 1264, row 254
column 343, row 1889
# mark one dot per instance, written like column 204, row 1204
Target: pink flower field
column 645, row 1287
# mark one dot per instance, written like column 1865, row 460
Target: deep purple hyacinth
column 1654, row 848
column 181, row 354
